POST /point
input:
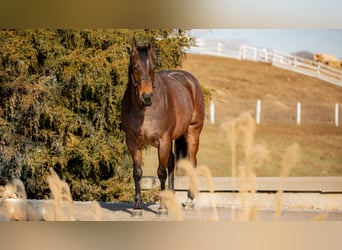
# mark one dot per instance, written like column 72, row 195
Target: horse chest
column 150, row 134
column 150, row 138
column 145, row 132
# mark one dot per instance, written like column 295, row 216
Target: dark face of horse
column 141, row 72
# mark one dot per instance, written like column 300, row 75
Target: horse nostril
column 147, row 99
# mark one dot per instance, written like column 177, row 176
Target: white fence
column 276, row 58
column 273, row 112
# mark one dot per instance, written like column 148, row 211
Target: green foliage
column 60, row 97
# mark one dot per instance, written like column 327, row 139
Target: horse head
column 141, row 71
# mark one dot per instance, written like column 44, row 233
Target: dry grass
column 253, row 155
column 172, row 204
column 14, row 211
column 61, row 196
column 237, row 85
column 289, row 160
column 61, row 207
column 186, row 168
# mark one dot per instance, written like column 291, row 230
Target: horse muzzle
column 146, row 99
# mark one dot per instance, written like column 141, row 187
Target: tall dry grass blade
column 230, row 128
column 14, row 209
column 243, row 186
column 19, row 189
column 259, row 155
column 204, row 171
column 289, row 160
column 244, row 127
column 253, row 213
column 171, row 204
column 189, row 170
column 61, row 195
column 21, row 194
column 278, row 204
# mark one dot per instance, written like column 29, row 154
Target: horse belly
column 181, row 126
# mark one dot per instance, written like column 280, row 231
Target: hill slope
column 252, row 80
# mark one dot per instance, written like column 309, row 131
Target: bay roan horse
column 157, row 109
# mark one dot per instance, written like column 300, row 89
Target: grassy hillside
column 236, row 85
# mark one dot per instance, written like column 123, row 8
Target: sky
column 327, row 41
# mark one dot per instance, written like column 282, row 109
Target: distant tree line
column 60, row 97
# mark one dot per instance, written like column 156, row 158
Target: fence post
column 336, row 114
column 220, row 48
column 243, row 54
column 212, row 112
column 266, row 55
column 318, row 71
column 255, row 54
column 299, row 107
column 258, row 112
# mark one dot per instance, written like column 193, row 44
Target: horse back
column 186, row 93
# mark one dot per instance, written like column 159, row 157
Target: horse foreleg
column 137, row 174
column 171, row 168
column 164, row 156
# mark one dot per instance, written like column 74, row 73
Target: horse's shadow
column 126, row 207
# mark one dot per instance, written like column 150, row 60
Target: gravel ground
column 12, row 209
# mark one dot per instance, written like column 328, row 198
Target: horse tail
column 181, row 148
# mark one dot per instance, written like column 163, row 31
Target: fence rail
column 276, row 58
column 262, row 184
column 272, row 112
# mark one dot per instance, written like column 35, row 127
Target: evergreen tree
column 60, row 96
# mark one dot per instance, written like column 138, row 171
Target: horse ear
column 151, row 45
column 134, row 45
column 151, row 48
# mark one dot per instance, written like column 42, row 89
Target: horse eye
column 136, row 68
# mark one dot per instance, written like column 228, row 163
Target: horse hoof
column 162, row 212
column 188, row 205
column 136, row 213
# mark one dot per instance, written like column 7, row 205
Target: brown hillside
column 234, row 79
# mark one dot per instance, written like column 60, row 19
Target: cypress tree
column 60, row 97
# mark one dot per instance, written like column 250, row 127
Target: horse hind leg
column 181, row 148
column 192, row 144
